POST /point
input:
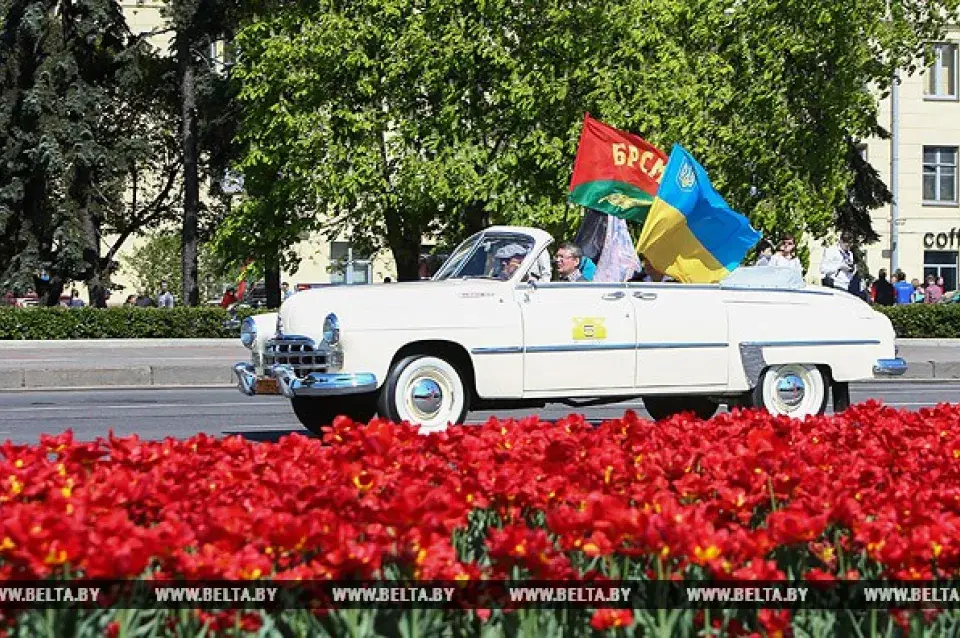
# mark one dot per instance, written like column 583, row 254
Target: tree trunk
column 191, row 181
column 271, row 281
column 406, row 253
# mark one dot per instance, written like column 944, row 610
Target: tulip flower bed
column 874, row 492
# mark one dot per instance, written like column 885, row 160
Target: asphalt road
column 159, row 413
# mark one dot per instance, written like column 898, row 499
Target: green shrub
column 117, row 323
column 924, row 321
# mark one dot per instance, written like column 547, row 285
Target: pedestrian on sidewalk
column 903, row 290
column 884, row 293
column 933, row 292
column 165, row 299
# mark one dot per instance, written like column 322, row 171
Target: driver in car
column 510, row 256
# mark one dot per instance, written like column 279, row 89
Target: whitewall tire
column 794, row 389
column 425, row 391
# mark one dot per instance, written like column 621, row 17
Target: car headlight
column 248, row 332
column 331, row 329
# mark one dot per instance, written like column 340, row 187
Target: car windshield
column 488, row 256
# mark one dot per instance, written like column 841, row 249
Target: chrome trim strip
column 575, row 347
column 819, row 342
column 583, row 285
column 660, row 346
column 890, row 367
column 500, row 350
column 598, row 285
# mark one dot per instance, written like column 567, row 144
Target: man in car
column 510, row 256
column 568, row 259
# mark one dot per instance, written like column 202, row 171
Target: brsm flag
column 691, row 233
column 615, row 172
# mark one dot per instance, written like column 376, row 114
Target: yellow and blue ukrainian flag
column 691, row 233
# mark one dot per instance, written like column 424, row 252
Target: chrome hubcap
column 427, row 397
column 790, row 390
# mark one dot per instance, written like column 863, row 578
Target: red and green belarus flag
column 615, row 172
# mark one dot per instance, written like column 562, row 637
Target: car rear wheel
column 426, row 391
column 316, row 412
column 664, row 407
column 795, row 390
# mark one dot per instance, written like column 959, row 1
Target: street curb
column 929, row 343
column 116, row 377
column 53, row 344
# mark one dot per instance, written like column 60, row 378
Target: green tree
column 393, row 119
column 61, row 66
column 398, row 119
column 160, row 259
column 771, row 97
column 206, row 116
column 85, row 122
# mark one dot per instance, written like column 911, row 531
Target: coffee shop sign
column 942, row 240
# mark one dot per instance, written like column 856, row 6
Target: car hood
column 418, row 304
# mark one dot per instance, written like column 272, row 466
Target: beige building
column 926, row 219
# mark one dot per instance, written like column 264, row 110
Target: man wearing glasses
column 568, row 262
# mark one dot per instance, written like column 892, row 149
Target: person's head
column 931, row 280
column 131, row 299
column 915, row 282
column 846, row 239
column 387, row 280
column 568, row 258
column 163, row 285
column 788, row 244
column 882, row 275
column 765, row 248
column 231, row 290
column 510, row 256
column 75, row 293
column 285, row 286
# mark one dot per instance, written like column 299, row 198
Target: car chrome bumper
column 890, row 367
column 315, row 384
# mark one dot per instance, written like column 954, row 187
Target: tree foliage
column 398, row 118
column 159, row 258
column 62, row 75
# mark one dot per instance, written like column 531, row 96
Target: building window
column 941, row 263
column 942, row 74
column 347, row 266
column 940, row 174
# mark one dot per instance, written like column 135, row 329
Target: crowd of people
column 886, row 293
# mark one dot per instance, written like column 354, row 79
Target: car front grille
column 301, row 353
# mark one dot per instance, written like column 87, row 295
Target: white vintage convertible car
column 487, row 333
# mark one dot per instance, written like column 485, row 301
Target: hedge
column 924, row 321
column 117, row 323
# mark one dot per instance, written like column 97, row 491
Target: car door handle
column 610, row 296
column 645, row 295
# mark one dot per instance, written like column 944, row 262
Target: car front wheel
column 316, row 412
column 795, row 390
column 426, row 391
